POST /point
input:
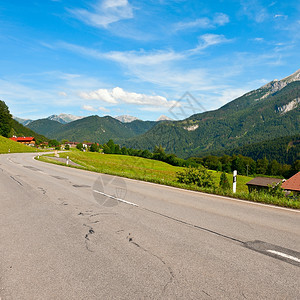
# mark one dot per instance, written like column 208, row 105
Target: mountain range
column 93, row 128
column 67, row 118
column 269, row 112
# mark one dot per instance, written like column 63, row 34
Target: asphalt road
column 72, row 234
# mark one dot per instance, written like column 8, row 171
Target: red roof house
column 292, row 184
column 24, row 140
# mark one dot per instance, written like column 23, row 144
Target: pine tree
column 5, row 120
column 224, row 183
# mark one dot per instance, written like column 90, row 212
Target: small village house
column 29, row 141
column 72, row 144
column 292, row 184
column 262, row 183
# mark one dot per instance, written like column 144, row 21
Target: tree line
column 248, row 166
column 226, row 163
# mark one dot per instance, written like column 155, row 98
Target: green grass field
column 139, row 168
column 7, row 145
column 162, row 173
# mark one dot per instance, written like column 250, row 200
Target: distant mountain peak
column 126, row 118
column 64, row 118
column 277, row 85
column 164, row 118
column 24, row 122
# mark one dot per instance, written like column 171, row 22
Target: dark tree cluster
column 248, row 166
column 158, row 154
column 5, row 120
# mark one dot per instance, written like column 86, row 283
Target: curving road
column 72, row 234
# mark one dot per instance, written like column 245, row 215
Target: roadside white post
column 234, row 181
column 67, row 160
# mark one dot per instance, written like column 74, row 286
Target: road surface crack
column 42, row 190
column 206, row 293
column 87, row 237
column 195, row 226
column 16, row 180
column 170, row 271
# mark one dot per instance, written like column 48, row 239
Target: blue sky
column 115, row 57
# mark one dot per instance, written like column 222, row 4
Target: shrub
column 224, row 183
column 197, row 176
column 79, row 146
column 276, row 190
column 94, row 147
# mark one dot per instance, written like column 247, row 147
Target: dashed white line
column 284, row 255
column 115, row 198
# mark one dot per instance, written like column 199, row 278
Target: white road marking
column 284, row 255
column 213, row 195
column 115, row 198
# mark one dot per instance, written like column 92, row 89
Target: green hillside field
column 14, row 147
column 160, row 172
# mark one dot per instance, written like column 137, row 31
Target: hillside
column 14, row 147
column 270, row 112
column 45, row 127
column 20, row 130
column 93, row 128
column 285, row 150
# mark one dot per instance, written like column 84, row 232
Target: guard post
column 234, row 181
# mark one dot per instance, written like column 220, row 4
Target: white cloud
column 207, row 40
column 143, row 58
column 258, row 39
column 118, row 95
column 89, row 108
column 165, row 68
column 101, row 94
column 104, row 109
column 280, row 17
column 219, row 19
column 64, row 94
column 104, row 13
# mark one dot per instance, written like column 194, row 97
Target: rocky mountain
column 270, row 112
column 164, row 118
column 22, row 121
column 61, row 118
column 126, row 118
column 64, row 118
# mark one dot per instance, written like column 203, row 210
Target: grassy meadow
column 9, row 146
column 162, row 173
column 138, row 168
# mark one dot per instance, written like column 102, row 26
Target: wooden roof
column 264, row 181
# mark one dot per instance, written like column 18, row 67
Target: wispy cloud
column 219, row 19
column 279, row 16
column 119, row 96
column 254, row 10
column 89, row 108
column 104, row 13
column 207, row 40
column 140, row 57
